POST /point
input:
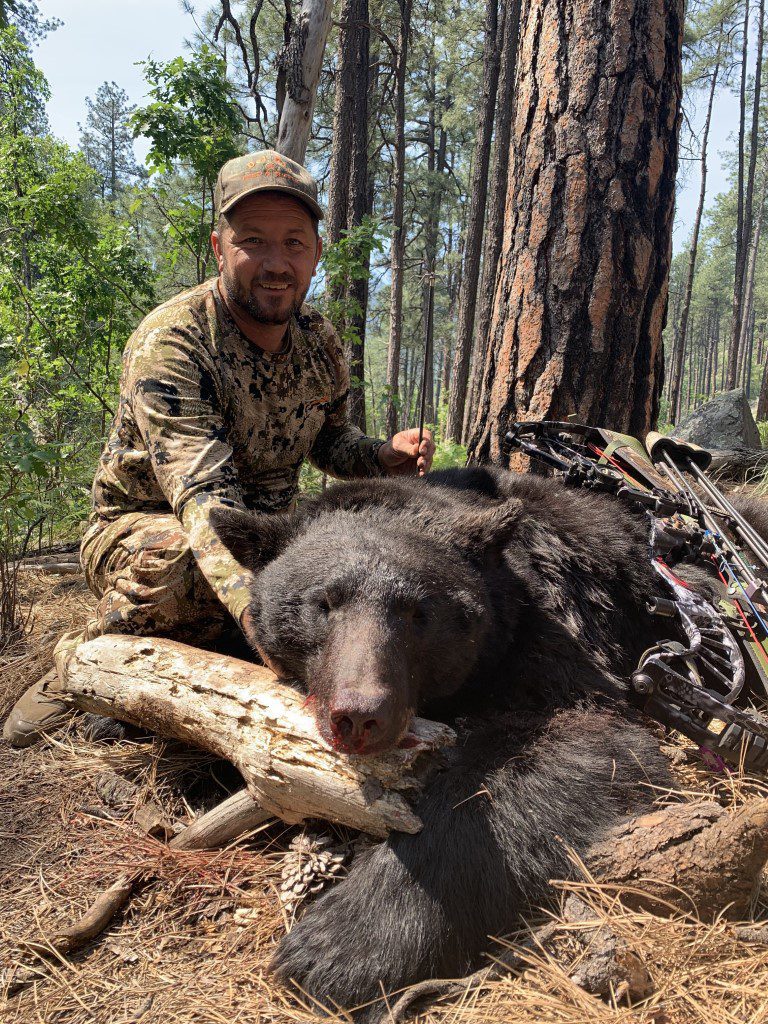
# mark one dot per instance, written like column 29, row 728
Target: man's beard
column 250, row 304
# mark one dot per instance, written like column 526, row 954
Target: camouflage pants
column 142, row 569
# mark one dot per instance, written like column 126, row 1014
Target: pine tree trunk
column 733, row 351
column 437, row 144
column 748, row 368
column 712, row 352
column 762, row 402
column 582, row 291
column 749, row 288
column 398, row 234
column 677, row 367
column 452, row 289
column 690, row 375
column 417, row 368
column 724, row 366
column 754, row 140
column 497, row 196
column 675, row 318
column 473, row 244
column 349, row 194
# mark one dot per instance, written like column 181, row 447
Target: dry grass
column 177, row 954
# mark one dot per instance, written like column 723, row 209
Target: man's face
column 267, row 256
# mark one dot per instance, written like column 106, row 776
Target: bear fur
column 510, row 606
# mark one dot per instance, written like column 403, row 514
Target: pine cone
column 310, row 865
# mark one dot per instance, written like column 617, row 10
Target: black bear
column 509, row 604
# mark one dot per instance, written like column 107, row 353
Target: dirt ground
column 195, row 940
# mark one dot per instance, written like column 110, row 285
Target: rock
column 725, row 422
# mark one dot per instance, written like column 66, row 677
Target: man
column 225, row 390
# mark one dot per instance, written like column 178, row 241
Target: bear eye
column 325, row 604
column 420, row 609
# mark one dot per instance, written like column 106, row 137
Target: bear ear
column 253, row 539
column 483, row 534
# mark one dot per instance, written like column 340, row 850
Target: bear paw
column 368, row 932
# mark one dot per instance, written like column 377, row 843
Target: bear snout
column 364, row 721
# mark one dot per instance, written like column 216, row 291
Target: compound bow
column 689, row 684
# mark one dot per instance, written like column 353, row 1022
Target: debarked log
column 242, row 712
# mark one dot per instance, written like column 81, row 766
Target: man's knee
column 149, row 581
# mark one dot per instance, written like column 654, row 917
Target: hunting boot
column 38, row 710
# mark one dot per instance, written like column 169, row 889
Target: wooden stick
column 231, row 818
column 92, row 923
column 55, row 568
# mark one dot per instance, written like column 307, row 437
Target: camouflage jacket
column 206, row 417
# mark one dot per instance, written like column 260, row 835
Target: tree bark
column 695, row 857
column 478, row 191
column 677, row 368
column 494, row 228
column 733, row 350
column 349, row 194
column 240, row 711
column 676, row 302
column 437, row 144
column 754, row 143
column 397, row 257
column 303, row 60
column 762, row 403
column 748, row 361
column 747, row 323
column 582, row 292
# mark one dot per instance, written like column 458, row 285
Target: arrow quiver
column 720, row 655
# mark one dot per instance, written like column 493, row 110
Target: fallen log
column 54, row 568
column 695, row 857
column 240, row 711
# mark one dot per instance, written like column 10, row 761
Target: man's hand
column 402, row 455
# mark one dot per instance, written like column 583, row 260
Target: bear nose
column 357, row 721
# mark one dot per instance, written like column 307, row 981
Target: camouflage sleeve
column 174, row 391
column 341, row 448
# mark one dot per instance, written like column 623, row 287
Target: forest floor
column 194, row 942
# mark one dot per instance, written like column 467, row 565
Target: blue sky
column 101, row 40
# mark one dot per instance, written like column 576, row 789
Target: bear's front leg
column 497, row 826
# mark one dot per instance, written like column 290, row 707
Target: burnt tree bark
column 349, row 193
column 478, row 191
column 582, row 291
column 497, row 197
column 397, row 257
column 679, row 351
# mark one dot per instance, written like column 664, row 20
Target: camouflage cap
column 266, row 171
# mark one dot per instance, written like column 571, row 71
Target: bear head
column 376, row 607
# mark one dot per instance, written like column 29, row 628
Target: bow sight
column 691, row 683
